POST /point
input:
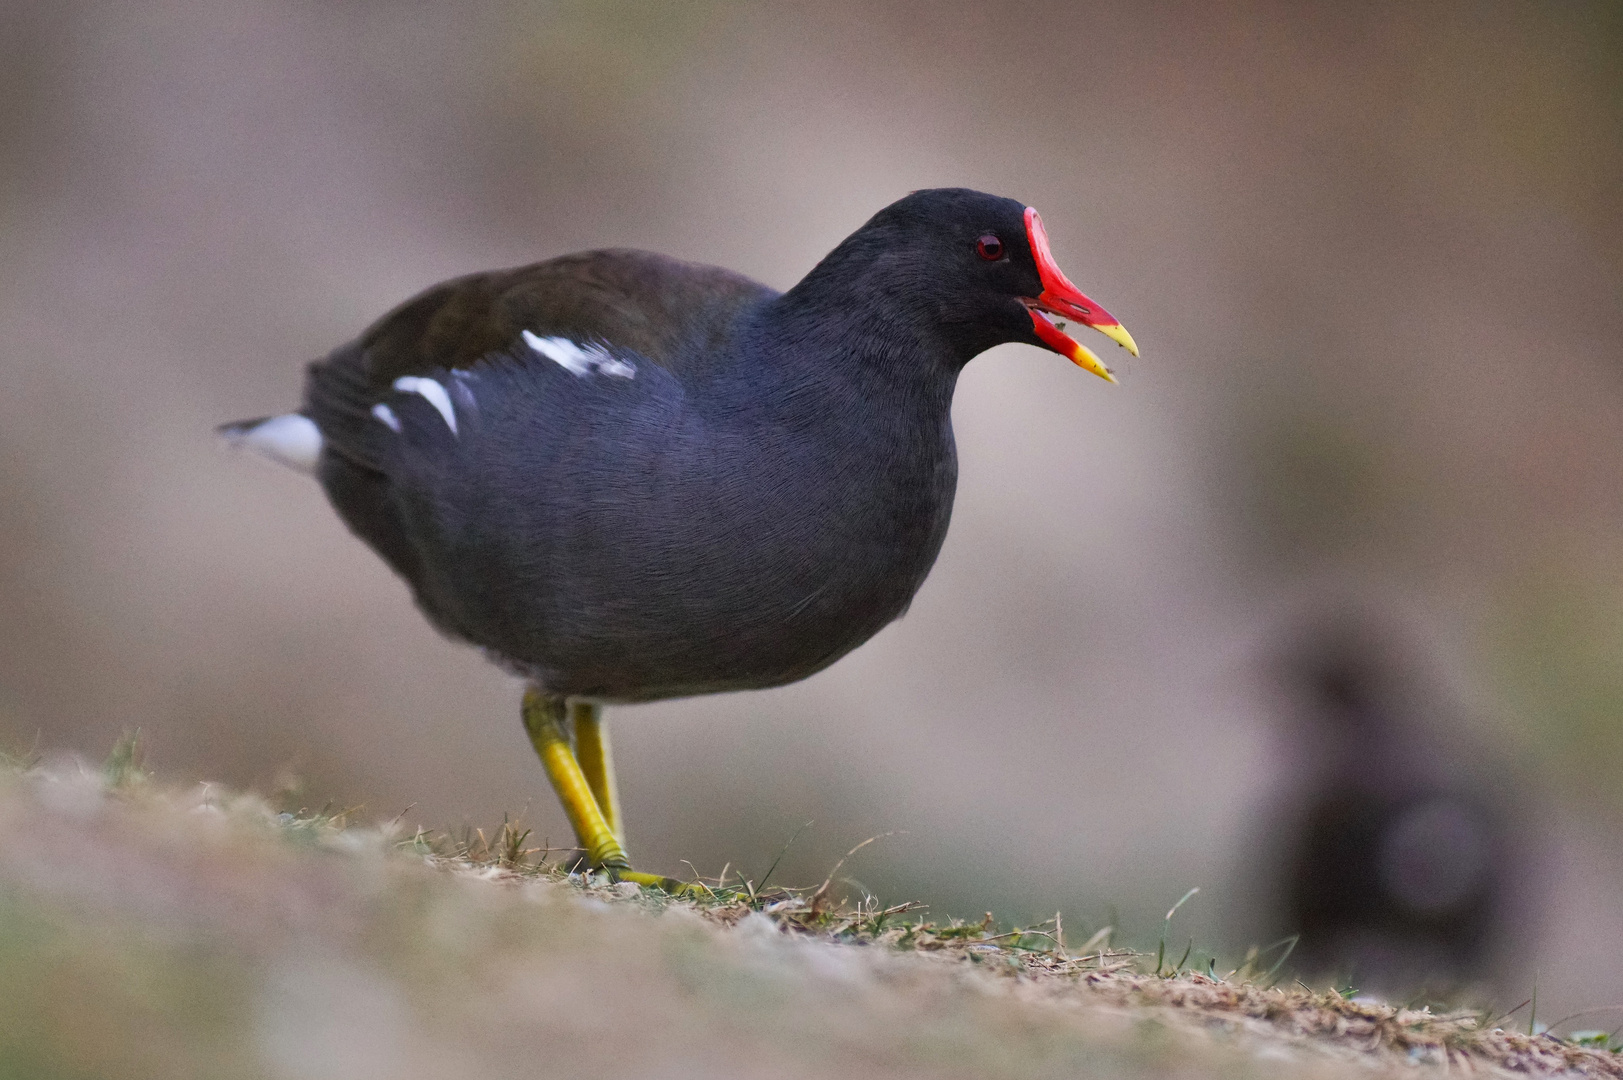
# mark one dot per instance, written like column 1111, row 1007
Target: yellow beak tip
column 1085, row 359
column 1118, row 333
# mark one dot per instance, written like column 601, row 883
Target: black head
column 973, row 268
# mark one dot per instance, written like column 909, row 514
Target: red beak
column 1060, row 297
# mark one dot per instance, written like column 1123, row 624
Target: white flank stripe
column 578, row 361
column 290, row 440
column 561, row 351
column 433, row 393
column 386, row 414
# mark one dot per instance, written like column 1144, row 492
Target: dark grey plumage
column 721, row 488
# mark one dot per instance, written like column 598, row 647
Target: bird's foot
column 621, row 872
column 654, row 881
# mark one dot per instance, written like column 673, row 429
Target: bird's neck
column 870, row 323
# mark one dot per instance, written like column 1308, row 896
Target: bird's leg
column 544, row 720
column 597, row 762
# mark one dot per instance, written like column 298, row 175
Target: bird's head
column 979, row 266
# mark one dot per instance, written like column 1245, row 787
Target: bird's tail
column 291, row 439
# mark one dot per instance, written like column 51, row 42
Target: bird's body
column 715, row 511
column 631, row 478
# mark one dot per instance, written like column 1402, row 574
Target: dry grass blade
column 819, row 898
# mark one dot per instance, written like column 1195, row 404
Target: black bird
column 1395, row 853
column 629, row 478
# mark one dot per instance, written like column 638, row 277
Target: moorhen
column 1394, row 848
column 629, row 478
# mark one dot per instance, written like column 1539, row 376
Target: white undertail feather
column 290, row 439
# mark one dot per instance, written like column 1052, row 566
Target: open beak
column 1060, row 298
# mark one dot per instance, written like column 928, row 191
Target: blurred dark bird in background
column 1396, row 854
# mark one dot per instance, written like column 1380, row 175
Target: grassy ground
column 157, row 931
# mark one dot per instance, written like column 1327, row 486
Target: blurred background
column 1335, row 579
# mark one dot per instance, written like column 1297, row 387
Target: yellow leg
column 597, row 762
column 544, row 720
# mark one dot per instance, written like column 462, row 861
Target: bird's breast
column 685, row 553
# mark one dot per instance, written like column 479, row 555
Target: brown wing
column 662, row 308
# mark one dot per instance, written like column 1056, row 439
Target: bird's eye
column 989, row 247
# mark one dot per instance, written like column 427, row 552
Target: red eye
column 989, row 247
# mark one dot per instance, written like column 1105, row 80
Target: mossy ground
column 149, row 930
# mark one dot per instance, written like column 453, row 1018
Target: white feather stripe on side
column 291, row 439
column 386, row 417
column 433, row 393
column 561, row 351
column 578, row 361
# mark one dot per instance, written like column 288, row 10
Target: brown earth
column 153, row 931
